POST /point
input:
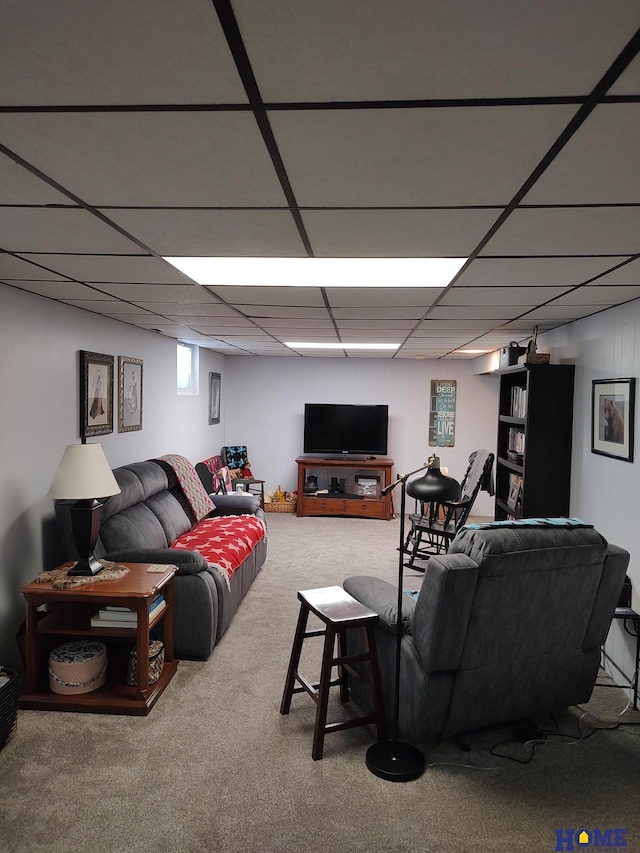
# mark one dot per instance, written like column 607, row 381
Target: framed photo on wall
column 96, row 393
column 214, row 398
column 129, row 394
column 612, row 418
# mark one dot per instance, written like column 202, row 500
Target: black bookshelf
column 535, row 425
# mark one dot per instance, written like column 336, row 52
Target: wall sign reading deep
column 442, row 413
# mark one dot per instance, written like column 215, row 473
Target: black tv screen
column 345, row 428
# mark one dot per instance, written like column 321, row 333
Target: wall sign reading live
column 442, row 413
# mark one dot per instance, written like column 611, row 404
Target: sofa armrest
column 381, row 597
column 188, row 562
column 234, row 505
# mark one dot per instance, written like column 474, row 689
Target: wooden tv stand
column 349, row 502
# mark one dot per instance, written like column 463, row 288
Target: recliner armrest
column 381, row 597
column 188, row 562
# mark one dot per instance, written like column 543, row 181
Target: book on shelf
column 514, row 498
column 123, row 617
column 518, row 402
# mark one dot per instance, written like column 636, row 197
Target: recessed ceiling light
column 320, row 272
column 307, row 345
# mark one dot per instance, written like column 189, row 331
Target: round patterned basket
column 281, row 506
column 9, row 691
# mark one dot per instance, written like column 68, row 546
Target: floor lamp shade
column 433, row 485
column 84, row 476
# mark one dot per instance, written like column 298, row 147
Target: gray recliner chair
column 507, row 626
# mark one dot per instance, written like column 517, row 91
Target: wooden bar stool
column 339, row 611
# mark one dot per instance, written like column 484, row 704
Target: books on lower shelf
column 112, row 616
column 514, row 498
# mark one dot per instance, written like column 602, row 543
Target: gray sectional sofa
column 141, row 523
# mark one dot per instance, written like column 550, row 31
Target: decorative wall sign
column 612, row 417
column 129, row 394
column 96, row 393
column 214, row 398
column 442, row 413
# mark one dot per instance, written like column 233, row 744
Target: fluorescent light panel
column 307, row 345
column 320, row 272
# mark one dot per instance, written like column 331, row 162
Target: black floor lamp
column 394, row 760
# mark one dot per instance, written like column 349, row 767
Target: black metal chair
column 436, row 524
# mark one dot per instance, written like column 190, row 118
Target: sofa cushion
column 235, row 504
column 135, row 527
column 137, row 482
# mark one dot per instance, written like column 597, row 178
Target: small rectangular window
column 187, row 368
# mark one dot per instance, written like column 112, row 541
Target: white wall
column 266, row 398
column 604, row 490
column 39, row 404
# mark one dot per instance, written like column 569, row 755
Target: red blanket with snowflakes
column 225, row 542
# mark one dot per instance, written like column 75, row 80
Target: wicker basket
column 281, row 506
column 9, row 692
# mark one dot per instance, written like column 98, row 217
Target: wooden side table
column 69, row 617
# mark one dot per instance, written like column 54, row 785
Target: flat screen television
column 345, row 428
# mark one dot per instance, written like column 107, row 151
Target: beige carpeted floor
column 215, row 767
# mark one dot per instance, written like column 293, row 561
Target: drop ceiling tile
column 171, row 293
column 568, row 231
column 528, row 296
column 371, row 49
column 227, row 233
column 145, row 321
column 454, row 322
column 17, row 268
column 408, row 312
column 272, row 296
column 397, row 233
column 223, row 329
column 372, row 297
column 63, row 290
column 604, row 148
column 235, row 320
column 376, row 325
column 43, row 229
column 110, row 268
column 493, row 313
column 296, row 323
column 562, row 312
column 182, row 158
column 258, row 311
column 414, row 157
column 600, row 295
column 528, row 272
column 628, row 83
column 151, row 51
column 627, row 274
column 105, row 306
column 189, row 309
column 19, row 186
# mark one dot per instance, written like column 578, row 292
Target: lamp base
column 86, row 566
column 395, row 761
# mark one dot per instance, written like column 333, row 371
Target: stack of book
column 112, row 616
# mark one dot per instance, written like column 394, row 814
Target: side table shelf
column 627, row 615
column 69, row 617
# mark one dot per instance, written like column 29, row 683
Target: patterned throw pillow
column 236, row 456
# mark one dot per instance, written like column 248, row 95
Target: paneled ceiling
column 504, row 131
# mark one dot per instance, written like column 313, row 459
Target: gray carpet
column 215, row 767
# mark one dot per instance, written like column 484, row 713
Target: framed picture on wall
column 96, row 393
column 214, row 398
column 612, row 418
column 129, row 394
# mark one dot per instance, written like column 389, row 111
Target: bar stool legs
column 339, row 611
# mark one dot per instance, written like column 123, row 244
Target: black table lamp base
column 395, row 761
